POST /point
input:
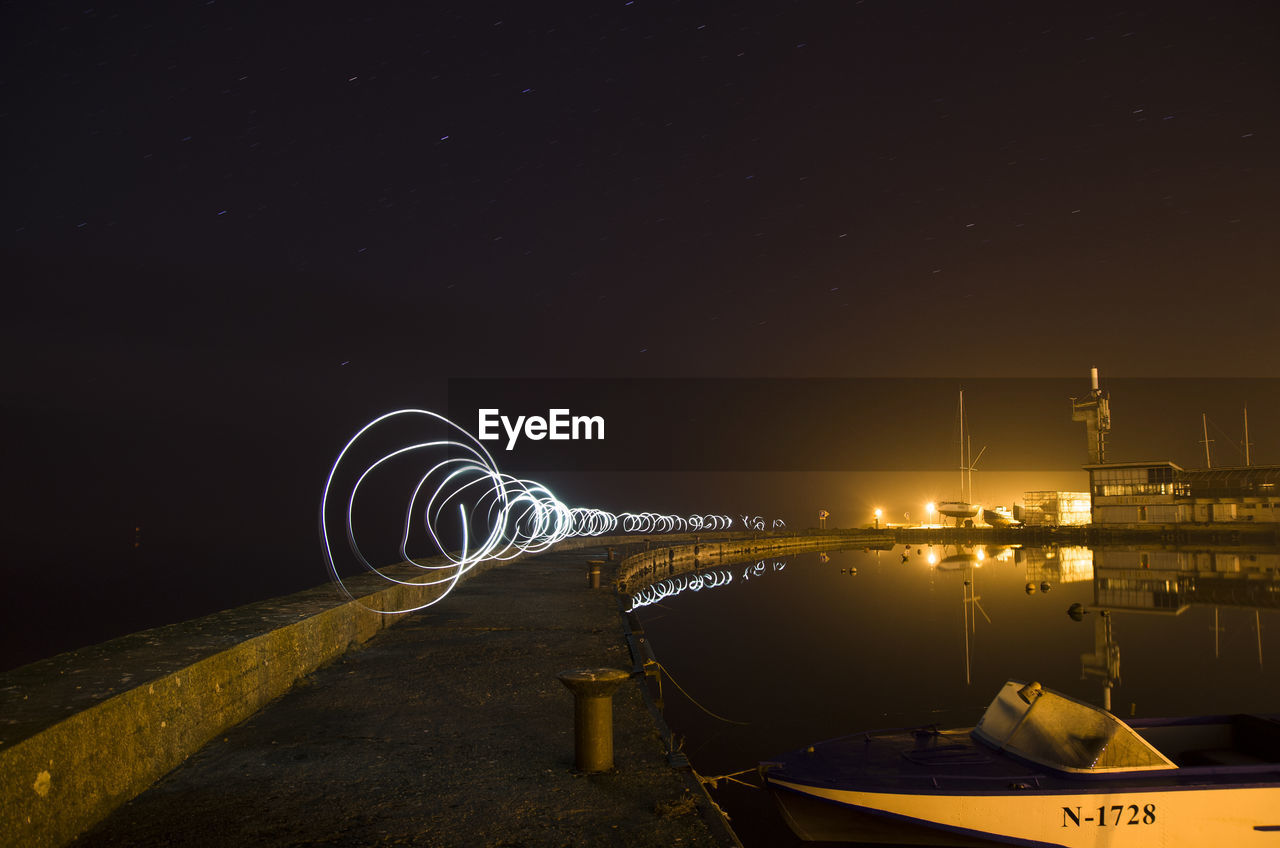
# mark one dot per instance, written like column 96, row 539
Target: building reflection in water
column 1131, row 580
column 1169, row 582
column 1066, row 564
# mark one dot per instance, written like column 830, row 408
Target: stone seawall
column 86, row 731
column 641, row 568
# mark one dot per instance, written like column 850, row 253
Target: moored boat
column 959, row 509
column 999, row 516
column 1040, row 768
column 963, row 510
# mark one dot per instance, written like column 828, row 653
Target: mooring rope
column 732, row 777
column 662, row 668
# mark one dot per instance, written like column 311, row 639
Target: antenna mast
column 1095, row 412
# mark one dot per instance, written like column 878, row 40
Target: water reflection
column 1171, row 581
column 696, row 581
column 924, row 634
column 1168, row 583
column 966, row 566
column 1066, row 564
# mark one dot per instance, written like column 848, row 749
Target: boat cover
column 1053, row 730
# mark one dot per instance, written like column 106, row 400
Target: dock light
column 929, row 508
column 878, row 514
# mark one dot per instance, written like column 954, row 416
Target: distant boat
column 1040, row 768
column 958, row 509
column 963, row 509
column 961, row 559
column 998, row 516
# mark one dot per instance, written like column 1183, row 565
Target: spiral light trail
column 712, row 578
column 456, row 489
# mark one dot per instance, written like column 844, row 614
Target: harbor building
column 1135, row 493
column 1162, row 493
column 1142, row 494
column 1244, row 494
column 1054, row 509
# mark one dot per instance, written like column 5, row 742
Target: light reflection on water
column 805, row 649
column 698, row 580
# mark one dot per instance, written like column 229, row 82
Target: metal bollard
column 593, row 572
column 593, row 690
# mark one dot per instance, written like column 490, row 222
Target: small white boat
column 1041, row 768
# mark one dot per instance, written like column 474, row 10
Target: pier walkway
column 449, row 729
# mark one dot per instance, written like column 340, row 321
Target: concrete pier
column 305, row 720
column 449, row 729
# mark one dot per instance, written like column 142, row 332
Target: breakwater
column 88, row 730
column 644, row 567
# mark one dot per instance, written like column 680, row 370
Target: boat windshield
column 1062, row 733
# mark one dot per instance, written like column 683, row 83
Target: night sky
column 234, row 232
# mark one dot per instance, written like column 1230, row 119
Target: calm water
column 817, row 646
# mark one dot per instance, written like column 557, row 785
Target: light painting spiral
column 463, row 508
column 696, row 581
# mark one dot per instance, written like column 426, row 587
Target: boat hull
column 818, row 820
column 950, row 787
column 959, row 509
column 998, row 518
column 1186, row 816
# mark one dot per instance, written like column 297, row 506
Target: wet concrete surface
column 449, row 729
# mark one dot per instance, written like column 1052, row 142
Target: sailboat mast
column 968, row 468
column 1246, row 435
column 963, row 497
column 1204, row 422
